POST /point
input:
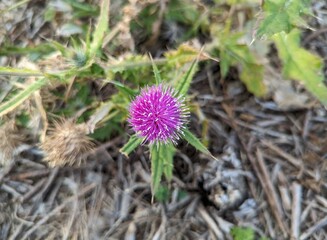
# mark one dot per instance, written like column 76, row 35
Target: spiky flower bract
column 66, row 144
column 158, row 115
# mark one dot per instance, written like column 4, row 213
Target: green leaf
column 252, row 77
column 124, row 89
column 167, row 152
column 283, row 15
column 161, row 163
column 251, row 71
column 184, row 54
column 234, row 53
column 19, row 72
column 186, row 14
column 156, row 72
column 21, row 96
column 195, row 142
column 41, row 49
column 157, row 166
column 239, row 233
column 132, row 143
column 184, row 83
column 134, row 68
column 101, row 28
column 301, row 65
column 162, row 195
column 60, row 47
column 82, row 9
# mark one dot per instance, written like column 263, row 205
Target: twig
column 32, row 192
column 43, row 113
column 292, row 160
column 322, row 223
column 306, row 124
column 31, row 174
column 296, row 210
column 211, row 223
column 262, row 131
column 6, row 170
column 70, row 222
column 284, row 191
column 51, row 178
column 270, row 192
column 84, row 191
column 10, row 190
column 131, row 232
column 160, row 233
column 314, row 35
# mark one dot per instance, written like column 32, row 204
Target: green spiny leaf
column 234, row 53
column 162, row 195
column 184, row 83
column 60, row 47
column 283, row 15
column 41, row 49
column 183, row 54
column 124, row 89
column 301, row 65
column 132, row 143
column 167, row 152
column 101, row 28
column 157, row 166
column 82, row 9
column 21, row 96
column 156, row 72
column 19, row 72
column 195, row 142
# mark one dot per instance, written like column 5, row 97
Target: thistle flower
column 158, row 115
column 66, row 144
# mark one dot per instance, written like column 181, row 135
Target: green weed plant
column 277, row 22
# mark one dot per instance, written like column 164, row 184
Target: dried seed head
column 158, row 115
column 10, row 141
column 66, row 144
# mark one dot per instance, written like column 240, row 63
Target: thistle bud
column 66, row 144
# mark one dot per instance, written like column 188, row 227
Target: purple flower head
column 158, row 115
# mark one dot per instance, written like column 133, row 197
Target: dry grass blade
column 270, row 192
column 50, row 180
column 210, row 222
column 42, row 221
column 131, row 232
column 40, row 108
column 33, row 191
column 30, row 174
column 321, row 224
column 292, row 160
column 296, row 210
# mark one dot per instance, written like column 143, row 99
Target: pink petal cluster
column 158, row 115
